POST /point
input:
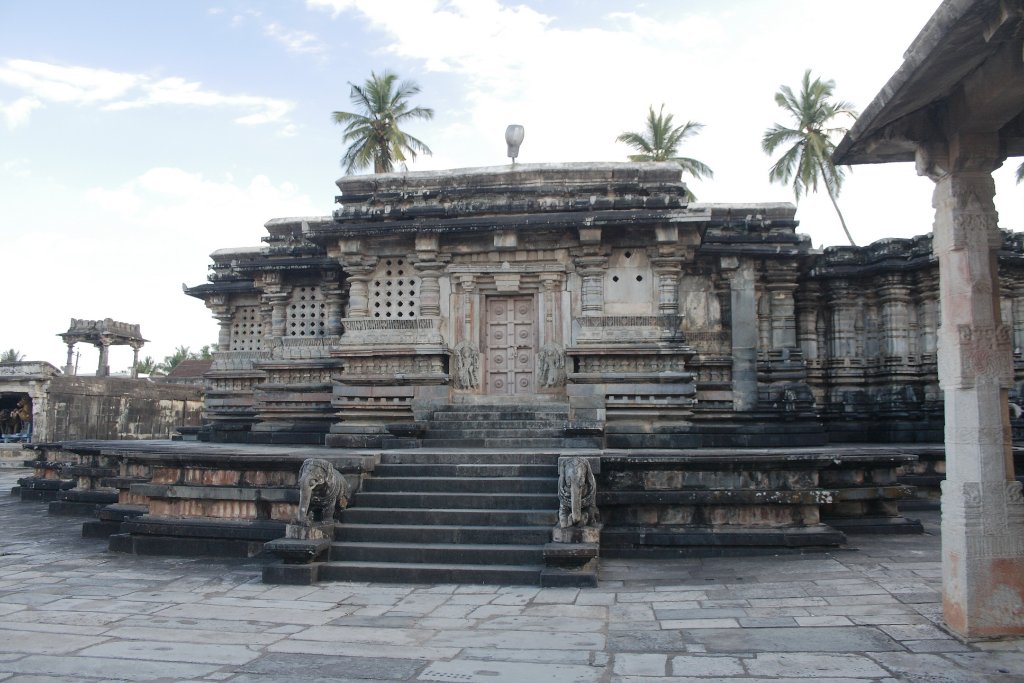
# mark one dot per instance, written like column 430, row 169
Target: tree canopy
column 372, row 131
column 660, row 141
column 808, row 158
column 11, row 356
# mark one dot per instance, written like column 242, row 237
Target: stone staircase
column 433, row 516
column 503, row 425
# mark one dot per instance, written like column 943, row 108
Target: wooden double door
column 510, row 345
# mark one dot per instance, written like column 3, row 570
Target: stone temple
column 451, row 341
column 595, row 288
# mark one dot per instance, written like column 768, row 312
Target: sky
column 138, row 137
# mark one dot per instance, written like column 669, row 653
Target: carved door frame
column 509, row 334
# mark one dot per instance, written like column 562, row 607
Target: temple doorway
column 15, row 416
column 510, row 345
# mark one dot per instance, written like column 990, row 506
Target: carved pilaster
column 781, row 284
column 592, row 270
column 894, row 297
column 667, row 270
column 741, row 276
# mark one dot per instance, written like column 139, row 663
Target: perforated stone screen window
column 394, row 292
column 307, row 313
column 246, row 329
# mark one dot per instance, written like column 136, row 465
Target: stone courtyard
column 72, row 611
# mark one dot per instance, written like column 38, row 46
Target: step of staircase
column 502, row 425
column 404, row 572
column 458, row 484
column 470, row 516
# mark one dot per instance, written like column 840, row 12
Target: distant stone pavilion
column 657, row 323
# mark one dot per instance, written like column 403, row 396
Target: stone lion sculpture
column 577, row 493
column 322, row 492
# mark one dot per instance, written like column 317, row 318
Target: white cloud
column 17, row 112
column 301, row 42
column 114, row 91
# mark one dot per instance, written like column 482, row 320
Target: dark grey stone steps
column 400, row 572
column 527, row 442
column 447, row 500
column 496, row 456
column 438, row 553
column 465, row 470
column 485, row 422
column 460, row 485
column 442, row 533
column 496, row 432
column 467, row 517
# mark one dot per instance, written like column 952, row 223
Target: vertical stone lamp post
column 956, row 108
column 514, row 135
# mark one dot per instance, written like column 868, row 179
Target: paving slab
column 72, row 611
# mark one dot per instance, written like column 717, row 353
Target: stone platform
column 76, row 613
column 426, row 514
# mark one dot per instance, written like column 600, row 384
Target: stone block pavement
column 71, row 611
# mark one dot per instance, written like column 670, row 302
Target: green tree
column 661, row 141
column 205, row 353
column 372, row 131
column 146, row 366
column 181, row 353
column 808, row 159
column 11, row 356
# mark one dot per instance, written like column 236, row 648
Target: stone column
column 982, row 507
column 69, row 368
column 135, row 361
column 103, row 369
column 741, row 276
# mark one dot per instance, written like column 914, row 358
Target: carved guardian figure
column 577, row 493
column 322, row 491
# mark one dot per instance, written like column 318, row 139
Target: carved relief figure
column 577, row 493
column 550, row 366
column 467, row 366
column 322, row 492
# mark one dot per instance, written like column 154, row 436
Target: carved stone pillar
column 982, row 507
column 551, row 307
column 843, row 301
column 667, row 270
column 69, row 367
column 592, row 271
column 331, row 289
column 135, row 360
column 741, row 276
column 781, row 286
column 103, row 370
column 358, row 291
column 225, row 319
column 806, row 303
column 894, row 297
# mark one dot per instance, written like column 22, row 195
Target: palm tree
column 660, row 142
column 810, row 157
column 146, row 366
column 181, row 353
column 11, row 356
column 373, row 132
